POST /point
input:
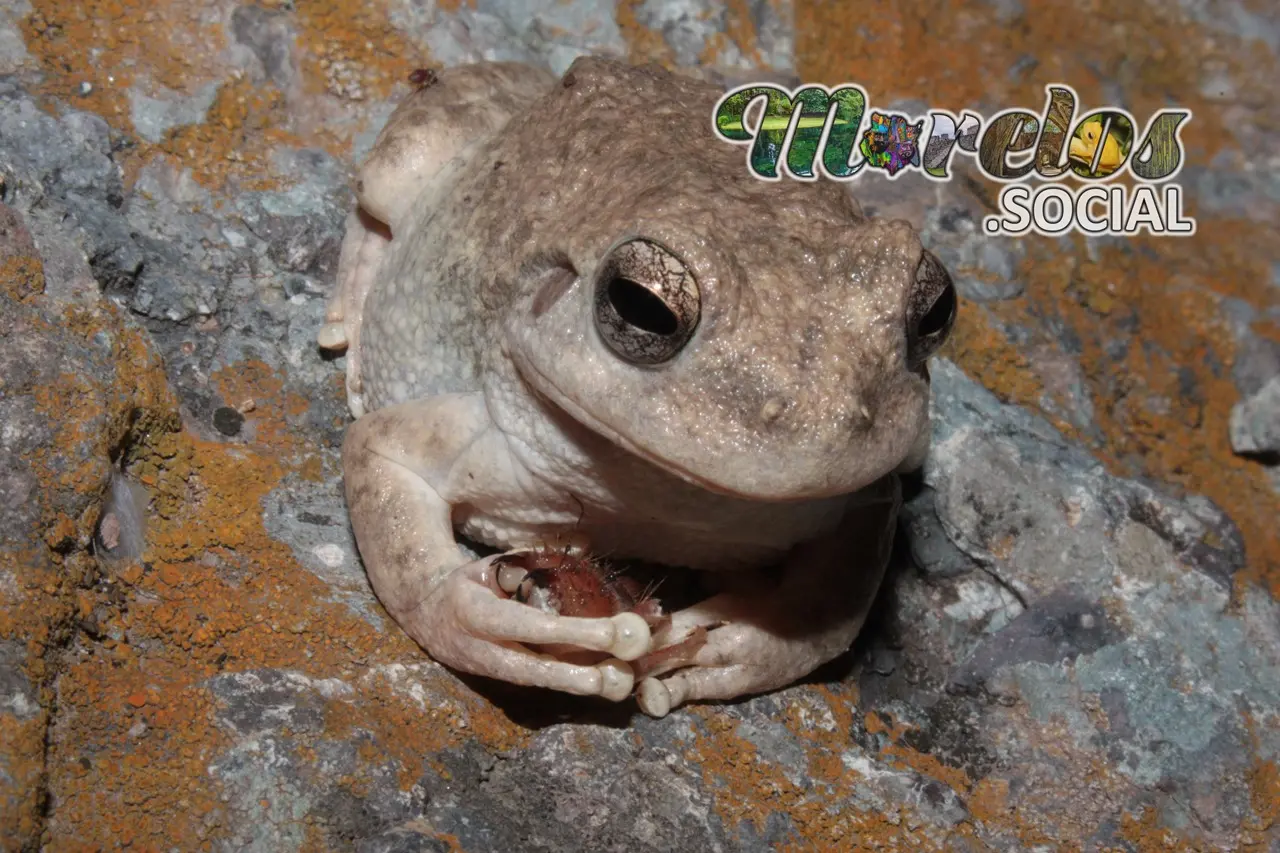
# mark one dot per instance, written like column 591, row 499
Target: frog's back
column 423, row 328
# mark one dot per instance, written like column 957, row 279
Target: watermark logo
column 815, row 131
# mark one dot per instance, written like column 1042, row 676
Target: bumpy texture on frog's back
column 796, row 374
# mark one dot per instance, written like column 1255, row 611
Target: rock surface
column 1255, row 422
column 1079, row 645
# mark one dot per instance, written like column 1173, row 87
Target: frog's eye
column 931, row 311
column 647, row 303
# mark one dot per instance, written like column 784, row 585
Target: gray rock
column 261, row 272
column 13, row 48
column 1257, row 357
column 1106, row 592
column 1054, row 505
column 1235, row 19
column 402, row 840
column 547, row 32
column 312, row 521
column 1077, row 641
column 1225, row 187
column 268, row 700
column 268, row 35
column 553, row 797
column 154, row 117
column 302, row 226
column 931, row 551
column 1255, row 422
column 281, row 768
column 17, row 696
column 690, row 27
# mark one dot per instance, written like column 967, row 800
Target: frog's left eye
column 647, row 302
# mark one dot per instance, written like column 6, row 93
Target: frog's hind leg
column 436, row 124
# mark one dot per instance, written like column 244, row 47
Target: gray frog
column 569, row 308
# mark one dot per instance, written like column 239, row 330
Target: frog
column 570, row 313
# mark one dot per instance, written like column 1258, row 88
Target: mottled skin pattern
column 500, row 406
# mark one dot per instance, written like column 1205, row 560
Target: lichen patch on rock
column 1078, row 649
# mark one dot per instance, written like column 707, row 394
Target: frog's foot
column 362, row 249
column 671, row 657
column 468, row 624
column 746, row 650
column 764, row 640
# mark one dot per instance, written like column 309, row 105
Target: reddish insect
column 573, row 584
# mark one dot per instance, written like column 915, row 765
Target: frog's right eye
column 647, row 303
column 931, row 311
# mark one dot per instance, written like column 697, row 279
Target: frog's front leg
column 762, row 642
column 406, row 467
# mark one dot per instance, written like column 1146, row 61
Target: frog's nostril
column 931, row 310
column 556, row 280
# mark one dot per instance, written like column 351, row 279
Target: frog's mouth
column 550, row 396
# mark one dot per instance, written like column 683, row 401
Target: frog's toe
column 355, row 384
column 672, row 656
column 728, row 662
column 611, row 679
column 466, row 625
column 481, row 611
column 657, row 697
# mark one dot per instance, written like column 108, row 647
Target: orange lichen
column 216, row 593
column 21, row 278
column 739, row 31
column 643, row 44
column 924, row 764
column 349, row 48
column 20, row 794
column 170, row 50
column 1264, row 786
column 108, row 46
column 740, row 780
column 957, row 56
column 92, row 413
column 1144, row 834
column 240, row 130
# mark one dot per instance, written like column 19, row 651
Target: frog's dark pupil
column 939, row 314
column 638, row 307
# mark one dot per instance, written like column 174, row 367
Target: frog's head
column 758, row 339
